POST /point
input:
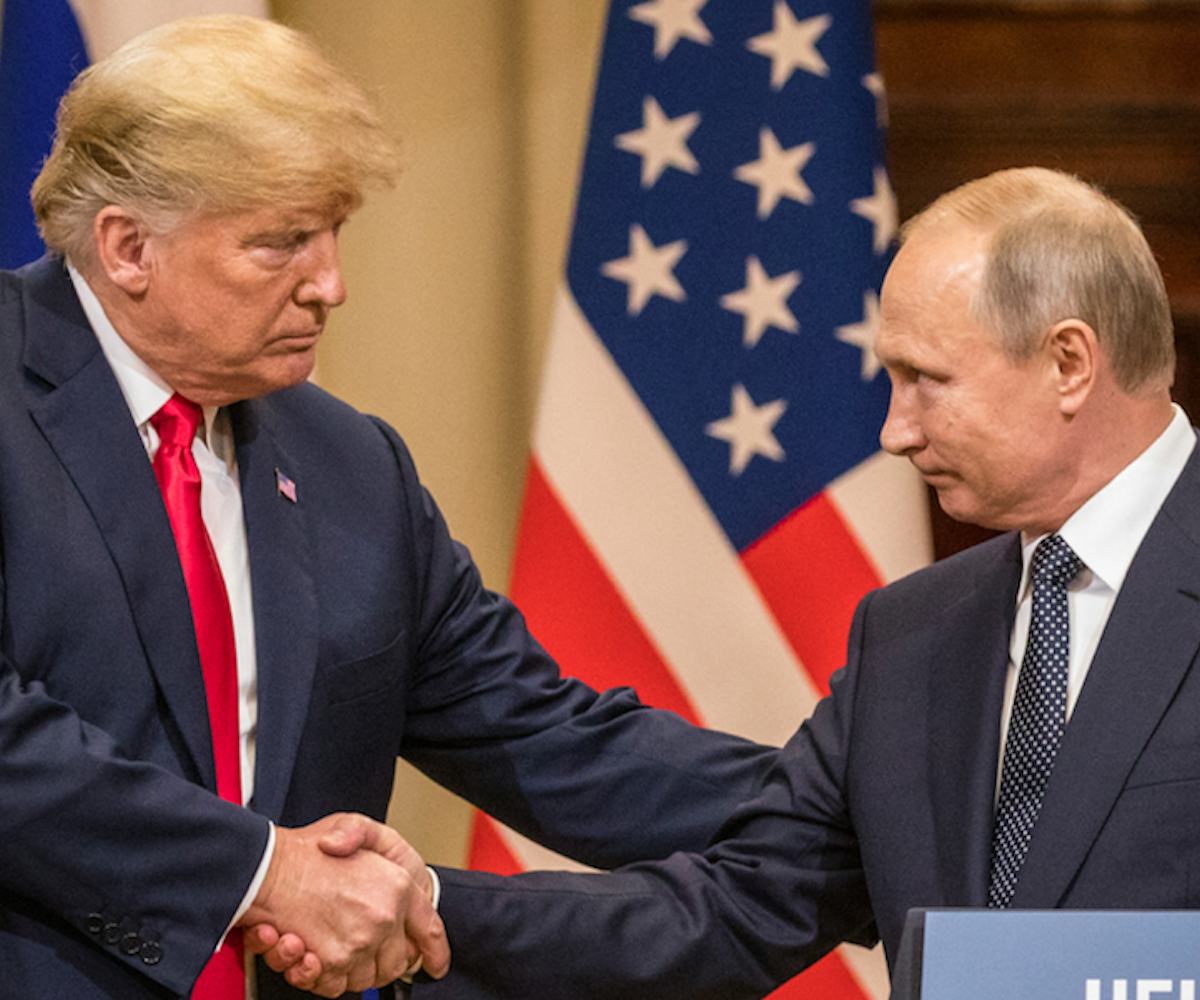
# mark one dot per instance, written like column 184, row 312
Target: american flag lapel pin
column 284, row 485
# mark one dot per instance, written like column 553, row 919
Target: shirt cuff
column 436, row 893
column 255, row 885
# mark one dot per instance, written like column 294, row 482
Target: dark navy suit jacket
column 884, row 801
column 375, row 638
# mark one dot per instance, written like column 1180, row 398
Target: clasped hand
column 346, row 905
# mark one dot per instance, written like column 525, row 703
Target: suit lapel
column 85, row 419
column 966, row 692
column 1147, row 648
column 285, row 604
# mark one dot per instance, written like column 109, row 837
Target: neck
column 1104, row 440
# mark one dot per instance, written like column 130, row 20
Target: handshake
column 346, row 904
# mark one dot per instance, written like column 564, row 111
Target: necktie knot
column 177, row 420
column 1055, row 563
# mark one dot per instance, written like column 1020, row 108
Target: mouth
column 301, row 340
column 931, row 475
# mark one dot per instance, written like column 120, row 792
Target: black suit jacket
column 884, row 800
column 375, row 638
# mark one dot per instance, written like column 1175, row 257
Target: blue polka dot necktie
column 1039, row 716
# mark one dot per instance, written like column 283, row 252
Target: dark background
column 1107, row 90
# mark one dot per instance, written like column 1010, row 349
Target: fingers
column 393, row 960
column 305, row 973
column 427, row 932
column 260, row 939
column 346, row 906
column 287, row 951
column 328, row 985
column 344, row 833
column 363, row 975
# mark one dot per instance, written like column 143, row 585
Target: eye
column 901, row 374
column 292, row 241
column 285, row 242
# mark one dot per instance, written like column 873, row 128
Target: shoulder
column 309, row 414
column 328, row 438
column 44, row 278
column 921, row 595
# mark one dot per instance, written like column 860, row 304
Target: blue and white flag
column 43, row 45
column 41, row 51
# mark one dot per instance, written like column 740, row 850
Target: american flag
column 285, row 486
column 706, row 499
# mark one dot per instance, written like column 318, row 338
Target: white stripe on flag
column 106, row 26
column 650, row 528
column 883, row 503
column 869, row 968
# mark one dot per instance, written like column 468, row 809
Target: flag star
column 776, row 172
column 648, row 270
column 862, row 336
column 749, row 429
column 763, row 302
column 879, row 209
column 661, row 142
column 792, row 45
column 874, row 83
column 672, row 20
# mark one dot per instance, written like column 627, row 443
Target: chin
column 960, row 508
column 298, row 368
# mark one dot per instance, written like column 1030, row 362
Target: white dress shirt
column 221, row 508
column 1105, row 533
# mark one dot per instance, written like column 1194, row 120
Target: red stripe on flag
column 812, row 573
column 488, row 852
column 575, row 611
column 829, row 979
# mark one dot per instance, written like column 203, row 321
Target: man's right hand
column 351, row 896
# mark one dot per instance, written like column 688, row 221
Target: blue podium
column 1048, row 955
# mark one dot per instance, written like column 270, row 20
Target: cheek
column 942, row 415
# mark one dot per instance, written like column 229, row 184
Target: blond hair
column 208, row 115
column 1060, row 248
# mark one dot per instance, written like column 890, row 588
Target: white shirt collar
column 145, row 391
column 1108, row 529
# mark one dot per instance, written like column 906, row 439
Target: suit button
column 111, row 933
column 151, row 952
column 94, row 923
column 131, row 944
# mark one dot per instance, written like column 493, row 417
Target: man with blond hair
column 1015, row 726
column 226, row 603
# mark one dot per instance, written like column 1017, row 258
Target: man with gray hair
column 1016, row 725
column 226, row 602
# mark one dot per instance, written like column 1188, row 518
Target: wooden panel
column 1110, row 91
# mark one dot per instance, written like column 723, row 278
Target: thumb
column 346, row 833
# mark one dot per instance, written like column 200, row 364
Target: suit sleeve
column 782, row 885
column 144, row 864
column 599, row 777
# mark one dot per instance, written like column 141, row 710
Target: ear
column 1075, row 353
column 121, row 251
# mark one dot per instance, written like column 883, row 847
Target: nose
column 322, row 282
column 901, row 433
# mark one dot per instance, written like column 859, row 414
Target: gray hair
column 1060, row 248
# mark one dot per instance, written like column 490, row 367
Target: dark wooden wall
column 1107, row 90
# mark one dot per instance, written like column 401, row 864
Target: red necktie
column 175, row 469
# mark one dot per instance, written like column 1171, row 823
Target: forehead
column 929, row 290
column 241, row 226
